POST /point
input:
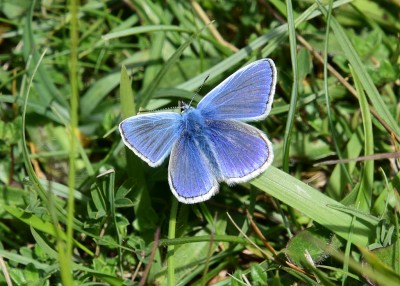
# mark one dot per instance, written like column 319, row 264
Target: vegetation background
column 77, row 208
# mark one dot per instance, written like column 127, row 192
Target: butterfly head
column 185, row 107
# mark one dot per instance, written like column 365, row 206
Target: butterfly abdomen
column 195, row 127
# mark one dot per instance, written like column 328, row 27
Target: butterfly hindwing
column 189, row 174
column 242, row 151
column 151, row 136
column 246, row 95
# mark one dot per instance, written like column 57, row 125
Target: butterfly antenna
column 181, row 104
column 197, row 92
column 155, row 110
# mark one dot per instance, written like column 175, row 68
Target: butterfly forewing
column 246, row 95
column 151, row 136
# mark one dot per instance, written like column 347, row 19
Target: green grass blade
column 328, row 105
column 144, row 29
column 171, row 248
column 97, row 92
column 128, row 109
column 364, row 200
column 127, row 97
column 293, row 98
column 65, row 252
column 314, row 204
column 158, row 40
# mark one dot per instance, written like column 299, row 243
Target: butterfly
column 211, row 143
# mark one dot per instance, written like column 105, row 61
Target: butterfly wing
column 189, row 174
column 151, row 136
column 246, row 95
column 242, row 151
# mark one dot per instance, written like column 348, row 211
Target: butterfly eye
column 183, row 105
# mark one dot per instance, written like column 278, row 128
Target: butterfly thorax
column 193, row 122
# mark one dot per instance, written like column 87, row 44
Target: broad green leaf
column 314, row 204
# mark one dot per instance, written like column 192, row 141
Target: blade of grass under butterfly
column 315, row 205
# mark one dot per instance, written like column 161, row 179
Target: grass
column 77, row 208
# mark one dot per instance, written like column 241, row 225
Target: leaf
column 14, row 8
column 258, row 275
column 312, row 242
column 383, row 262
column 34, row 221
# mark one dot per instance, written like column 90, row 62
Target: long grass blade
column 293, row 98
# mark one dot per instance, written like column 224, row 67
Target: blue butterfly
column 211, row 143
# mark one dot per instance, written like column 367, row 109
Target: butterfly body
column 196, row 129
column 193, row 122
column 211, row 143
